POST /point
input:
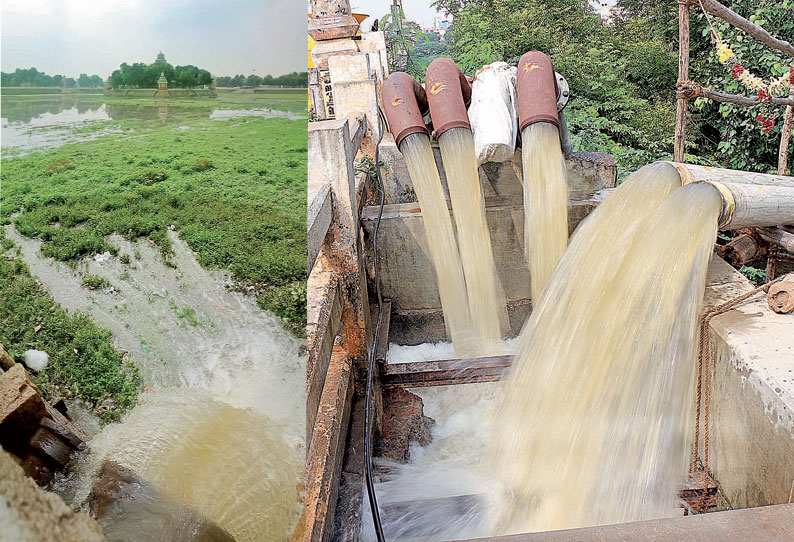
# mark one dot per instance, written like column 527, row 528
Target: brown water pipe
column 404, row 103
column 449, row 95
column 537, row 90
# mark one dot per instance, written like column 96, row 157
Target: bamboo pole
column 731, row 17
column 683, row 75
column 785, row 136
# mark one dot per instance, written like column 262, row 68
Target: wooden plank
column 448, row 372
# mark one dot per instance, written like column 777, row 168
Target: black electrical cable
column 373, row 501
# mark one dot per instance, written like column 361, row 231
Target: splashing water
column 486, row 299
column 594, row 424
column 221, row 431
column 441, row 242
column 545, row 202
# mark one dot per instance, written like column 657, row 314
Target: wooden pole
column 683, row 75
column 761, row 35
column 690, row 89
column 785, row 136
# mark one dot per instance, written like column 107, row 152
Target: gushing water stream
column 545, row 202
column 486, row 299
column 220, row 429
column 594, row 423
column 441, row 242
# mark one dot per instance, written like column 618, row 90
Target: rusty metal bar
column 419, row 374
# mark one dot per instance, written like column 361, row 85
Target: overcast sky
column 225, row 37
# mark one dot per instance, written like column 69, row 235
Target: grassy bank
column 82, row 361
column 234, row 190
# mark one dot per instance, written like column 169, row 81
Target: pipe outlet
column 448, row 94
column 404, row 103
column 537, row 90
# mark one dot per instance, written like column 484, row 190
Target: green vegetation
column 294, row 80
column 32, row 77
column 95, row 282
column 235, row 190
column 82, row 363
column 140, row 75
column 623, row 76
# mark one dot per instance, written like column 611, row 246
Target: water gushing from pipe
column 545, row 202
column 594, row 424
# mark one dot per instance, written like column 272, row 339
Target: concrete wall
column 587, row 172
column 408, row 277
column 752, row 410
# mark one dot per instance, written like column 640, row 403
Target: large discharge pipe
column 749, row 200
column 405, row 103
column 448, row 93
column 543, row 165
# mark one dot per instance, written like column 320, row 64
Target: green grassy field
column 234, row 190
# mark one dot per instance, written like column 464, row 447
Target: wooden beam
column 683, row 75
column 731, row 17
column 419, row 374
column 785, row 136
column 690, row 89
column 778, row 237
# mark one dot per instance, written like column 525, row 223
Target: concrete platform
column 768, row 524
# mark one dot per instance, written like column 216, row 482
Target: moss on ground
column 82, row 360
column 235, row 190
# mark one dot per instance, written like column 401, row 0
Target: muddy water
column 441, row 242
column 486, row 298
column 545, row 202
column 594, row 423
column 220, row 428
column 598, row 405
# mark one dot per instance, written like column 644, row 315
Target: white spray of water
column 222, row 429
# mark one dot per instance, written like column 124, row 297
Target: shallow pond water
column 30, row 123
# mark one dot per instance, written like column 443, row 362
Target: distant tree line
column 140, row 75
column 294, row 79
column 34, row 78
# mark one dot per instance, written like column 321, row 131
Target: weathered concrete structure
column 407, row 276
column 752, row 384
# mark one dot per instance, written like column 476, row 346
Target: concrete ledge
column 752, row 410
column 408, row 277
column 768, row 524
column 327, row 447
column 324, row 313
column 320, row 209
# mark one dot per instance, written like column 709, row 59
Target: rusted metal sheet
column 419, row 374
column 764, row 524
